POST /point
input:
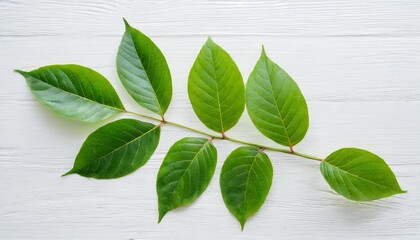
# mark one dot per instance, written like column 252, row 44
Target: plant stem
column 287, row 151
column 194, row 130
column 143, row 116
column 175, row 124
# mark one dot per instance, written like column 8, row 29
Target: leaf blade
column 144, row 72
column 216, row 89
column 245, row 182
column 116, row 149
column 275, row 103
column 188, row 158
column 74, row 92
column 348, row 171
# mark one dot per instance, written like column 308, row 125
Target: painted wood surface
column 357, row 63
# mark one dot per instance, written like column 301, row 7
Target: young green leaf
column 74, row 91
column 359, row 175
column 216, row 88
column 116, row 149
column 185, row 173
column 143, row 71
column 245, row 181
column 275, row 104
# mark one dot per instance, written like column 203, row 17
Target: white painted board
column 357, row 63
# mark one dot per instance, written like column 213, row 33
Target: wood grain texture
column 357, row 63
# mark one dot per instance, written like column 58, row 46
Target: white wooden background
column 357, row 62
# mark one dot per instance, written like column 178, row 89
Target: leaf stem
column 287, row 151
column 143, row 116
column 224, row 137
column 194, row 130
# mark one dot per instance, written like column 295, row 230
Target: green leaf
column 185, row 173
column 116, row 149
column 74, row 91
column 245, row 181
column 275, row 104
column 216, row 88
column 143, row 71
column 359, row 175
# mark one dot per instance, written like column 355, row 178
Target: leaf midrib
column 73, row 94
column 147, row 75
column 247, row 183
column 217, row 90
column 124, row 145
column 363, row 179
column 277, row 107
column 189, row 165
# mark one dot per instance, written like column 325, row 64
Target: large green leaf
column 245, row 181
column 74, row 91
column 143, row 71
column 275, row 104
column 216, row 88
column 185, row 173
column 116, row 149
column 359, row 175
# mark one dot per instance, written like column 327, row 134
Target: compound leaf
column 74, row 92
column 185, row 173
column 216, row 88
column 359, row 175
column 143, row 71
column 116, row 149
column 245, row 181
column 275, row 103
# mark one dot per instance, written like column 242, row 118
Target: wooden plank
column 355, row 61
column 344, row 18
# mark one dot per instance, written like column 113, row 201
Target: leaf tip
column 161, row 215
column 263, row 53
column 68, row 173
column 209, row 39
column 20, row 71
column 126, row 23
column 242, row 224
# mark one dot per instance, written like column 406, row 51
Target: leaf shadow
column 362, row 212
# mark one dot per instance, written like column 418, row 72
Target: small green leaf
column 74, row 92
column 359, row 175
column 116, row 149
column 245, row 181
column 216, row 88
column 185, row 173
column 143, row 71
column 275, row 104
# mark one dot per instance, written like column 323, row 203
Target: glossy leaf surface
column 245, row 181
column 185, row 173
column 216, row 88
column 275, row 103
column 143, row 71
column 116, row 149
column 359, row 175
column 74, row 92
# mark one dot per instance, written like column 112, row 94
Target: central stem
column 224, row 137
